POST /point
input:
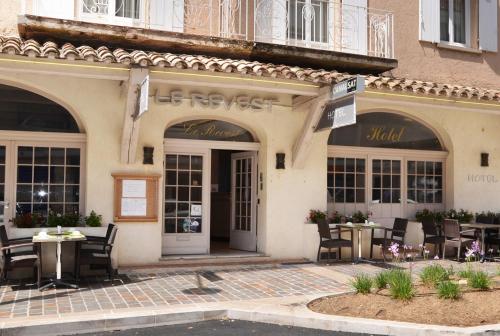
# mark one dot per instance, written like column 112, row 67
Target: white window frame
column 404, row 155
column 451, row 28
column 14, row 139
column 110, row 17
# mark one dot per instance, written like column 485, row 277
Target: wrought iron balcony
column 315, row 24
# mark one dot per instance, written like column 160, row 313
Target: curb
column 301, row 317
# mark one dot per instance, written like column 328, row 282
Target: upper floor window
column 455, row 21
column 120, row 8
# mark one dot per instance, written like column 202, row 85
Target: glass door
column 243, row 234
column 3, row 202
column 186, row 202
column 386, row 184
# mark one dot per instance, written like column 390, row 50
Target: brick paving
column 162, row 287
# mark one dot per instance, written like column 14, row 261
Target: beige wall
column 425, row 61
column 9, row 9
column 288, row 194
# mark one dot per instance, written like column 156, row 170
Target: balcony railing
column 316, row 24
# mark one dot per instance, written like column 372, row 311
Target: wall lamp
column 148, row 155
column 485, row 159
column 280, row 160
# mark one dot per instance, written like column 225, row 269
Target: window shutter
column 429, row 20
column 61, row 9
column 354, row 26
column 488, row 25
column 167, row 15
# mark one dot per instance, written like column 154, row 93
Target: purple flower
column 475, row 247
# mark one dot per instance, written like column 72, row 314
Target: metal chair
column 454, row 237
column 326, row 240
column 19, row 253
column 398, row 233
column 100, row 257
column 432, row 235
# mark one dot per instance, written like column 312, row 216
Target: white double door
column 187, row 185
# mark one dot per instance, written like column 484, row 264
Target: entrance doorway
column 210, row 189
column 233, row 208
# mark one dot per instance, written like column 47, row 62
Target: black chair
column 99, row 238
column 454, row 237
column 398, row 233
column 432, row 235
column 19, row 253
column 326, row 240
column 99, row 257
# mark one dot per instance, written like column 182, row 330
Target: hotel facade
column 234, row 90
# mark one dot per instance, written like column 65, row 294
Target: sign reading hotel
column 341, row 109
column 216, row 100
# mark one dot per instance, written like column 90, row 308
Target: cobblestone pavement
column 160, row 287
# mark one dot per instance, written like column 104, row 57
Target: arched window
column 386, row 130
column 22, row 110
column 207, row 129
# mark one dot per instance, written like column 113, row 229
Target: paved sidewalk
column 155, row 297
column 160, row 287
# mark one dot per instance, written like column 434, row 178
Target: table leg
column 58, row 263
column 483, row 232
column 359, row 244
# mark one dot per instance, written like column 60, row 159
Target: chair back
column 399, row 227
column 451, row 228
column 108, row 231
column 429, row 226
column 324, row 229
column 111, row 239
column 4, row 239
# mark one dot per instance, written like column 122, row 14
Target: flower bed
column 474, row 307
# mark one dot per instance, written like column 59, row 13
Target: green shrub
column 432, row 275
column 401, row 285
column 479, row 280
column 448, row 290
column 93, row 219
column 362, row 284
column 465, row 273
column 382, row 279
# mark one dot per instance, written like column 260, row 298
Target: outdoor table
column 360, row 227
column 482, row 227
column 58, row 239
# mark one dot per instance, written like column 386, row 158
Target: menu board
column 136, row 198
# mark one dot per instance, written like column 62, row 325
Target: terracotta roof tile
column 31, row 48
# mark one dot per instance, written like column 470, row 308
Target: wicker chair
column 432, row 234
column 398, row 233
column 454, row 237
column 326, row 240
column 19, row 253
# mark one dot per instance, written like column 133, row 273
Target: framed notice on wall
column 136, row 198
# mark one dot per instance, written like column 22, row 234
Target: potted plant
column 315, row 215
column 93, row 220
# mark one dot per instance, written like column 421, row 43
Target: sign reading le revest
column 341, row 109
